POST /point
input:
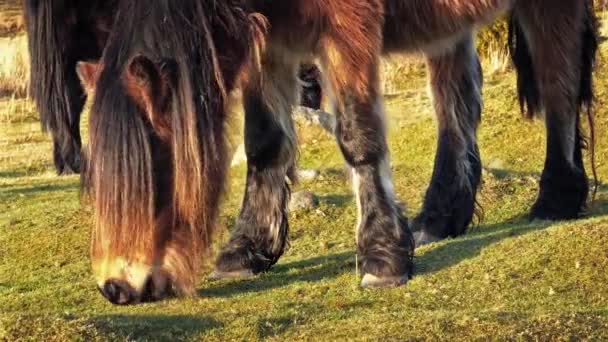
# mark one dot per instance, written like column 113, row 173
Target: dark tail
column 586, row 94
column 54, row 85
column 48, row 60
column 527, row 86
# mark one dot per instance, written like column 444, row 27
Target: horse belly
column 432, row 26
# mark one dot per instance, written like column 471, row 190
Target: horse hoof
column 547, row 213
column 371, row 281
column 422, row 238
column 241, row 274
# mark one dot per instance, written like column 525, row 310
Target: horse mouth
column 120, row 292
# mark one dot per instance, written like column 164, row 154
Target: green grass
column 506, row 279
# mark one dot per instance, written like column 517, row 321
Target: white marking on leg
column 357, row 190
column 386, row 181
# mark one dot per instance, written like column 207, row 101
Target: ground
column 506, row 278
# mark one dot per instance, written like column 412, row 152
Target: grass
column 14, row 61
column 506, row 279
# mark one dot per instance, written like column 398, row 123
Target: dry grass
column 11, row 20
column 14, row 66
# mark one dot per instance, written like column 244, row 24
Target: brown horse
column 157, row 157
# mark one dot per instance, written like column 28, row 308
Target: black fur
column 312, row 92
column 589, row 53
column 449, row 208
column 527, row 86
column 450, row 202
column 253, row 245
column 384, row 244
column 564, row 188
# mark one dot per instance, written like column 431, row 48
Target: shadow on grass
column 471, row 245
column 36, row 189
column 306, row 271
column 157, row 328
column 337, row 200
column 12, row 174
column 432, row 260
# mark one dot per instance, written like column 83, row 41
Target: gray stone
column 308, row 175
column 303, row 200
column 317, row 117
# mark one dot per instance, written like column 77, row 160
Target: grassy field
column 506, row 279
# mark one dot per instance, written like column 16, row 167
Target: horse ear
column 88, row 73
column 149, row 84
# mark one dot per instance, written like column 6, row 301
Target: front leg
column 385, row 245
column 449, row 204
column 260, row 236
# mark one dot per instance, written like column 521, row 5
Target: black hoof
column 561, row 198
column 370, row 281
column 554, row 210
column 386, row 259
column 240, row 257
column 387, row 270
column 432, row 228
column 68, row 163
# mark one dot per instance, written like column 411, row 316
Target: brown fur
column 157, row 137
column 158, row 158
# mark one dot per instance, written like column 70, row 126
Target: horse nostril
column 117, row 292
column 148, row 293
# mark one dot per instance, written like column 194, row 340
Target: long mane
column 124, row 175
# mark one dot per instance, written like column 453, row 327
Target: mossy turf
column 506, row 279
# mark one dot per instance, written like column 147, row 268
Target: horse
column 60, row 35
column 157, row 158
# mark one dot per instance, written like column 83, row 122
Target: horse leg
column 560, row 49
column 456, row 81
column 67, row 141
column 260, row 235
column 312, row 91
column 385, row 244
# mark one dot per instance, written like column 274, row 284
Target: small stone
column 303, row 200
column 496, row 164
column 308, row 175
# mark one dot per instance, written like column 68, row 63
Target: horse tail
column 527, row 86
column 586, row 94
column 48, row 62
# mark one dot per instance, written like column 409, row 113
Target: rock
column 303, row 200
column 317, row 117
column 308, row 175
column 496, row 164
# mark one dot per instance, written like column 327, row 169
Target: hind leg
column 449, row 204
column 260, row 235
column 312, row 92
column 67, row 142
column 385, row 244
column 556, row 47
